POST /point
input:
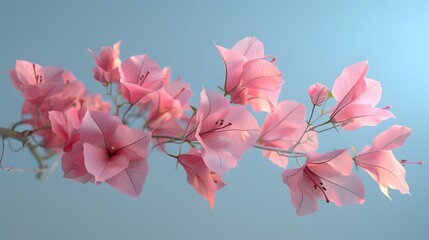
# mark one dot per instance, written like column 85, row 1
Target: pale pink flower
column 140, row 75
column 327, row 176
column 69, row 77
column 380, row 163
column 93, row 103
column 178, row 89
column 200, row 177
column 107, row 63
column 225, row 132
column 73, row 95
column 110, row 152
column 283, row 128
column 164, row 114
column 250, row 78
column 356, row 99
column 166, row 107
column 263, row 82
column 35, row 82
column 318, row 93
column 66, row 125
column 247, row 49
column 250, row 47
column 36, row 114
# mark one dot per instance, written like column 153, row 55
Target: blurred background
column 312, row 40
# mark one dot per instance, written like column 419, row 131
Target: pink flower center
column 112, row 150
column 219, row 125
column 38, row 78
column 316, row 184
column 142, row 78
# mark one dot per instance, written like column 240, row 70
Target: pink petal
column 372, row 93
column 224, row 147
column 199, row 176
column 305, row 200
column 293, row 177
column 349, row 86
column 343, row 190
column 234, row 62
column 261, row 74
column 331, row 163
column 212, row 105
column 109, row 57
column 393, row 137
column 58, row 124
column 303, row 196
column 250, row 47
column 73, row 166
column 178, row 89
column 140, row 75
column 384, row 169
column 282, row 129
column 97, row 126
column 15, row 80
column 287, row 120
column 219, row 161
column 275, row 158
column 354, row 116
column 66, row 125
column 131, row 180
column 52, row 74
column 263, row 82
column 224, row 132
column 130, row 142
column 351, row 83
column 100, row 164
column 25, row 73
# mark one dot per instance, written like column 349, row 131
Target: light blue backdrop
column 313, row 41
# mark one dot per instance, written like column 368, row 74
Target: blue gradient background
column 313, row 41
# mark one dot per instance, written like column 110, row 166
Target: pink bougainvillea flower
column 380, row 163
column 140, row 75
column 107, row 63
column 200, row 177
column 36, row 113
column 72, row 95
column 36, row 82
column 263, row 81
column 93, row 103
column 250, row 47
column 283, row 128
column 250, row 78
column 318, row 93
column 66, row 125
column 356, row 99
column 164, row 114
column 110, row 152
column 178, row 89
column 225, row 132
column 166, row 107
column 328, row 176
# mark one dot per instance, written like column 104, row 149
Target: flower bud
column 318, row 93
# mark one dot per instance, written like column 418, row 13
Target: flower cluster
column 101, row 141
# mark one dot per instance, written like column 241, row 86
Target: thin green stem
column 282, row 152
column 306, row 129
